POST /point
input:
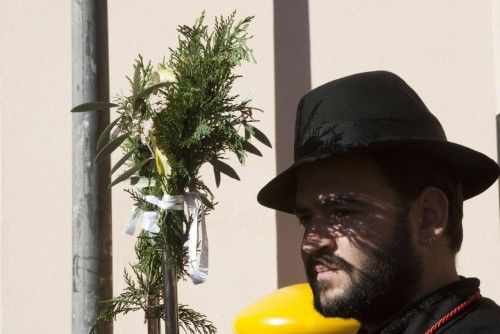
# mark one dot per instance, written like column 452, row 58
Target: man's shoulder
column 482, row 318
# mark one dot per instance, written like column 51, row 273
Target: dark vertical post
column 170, row 296
column 154, row 326
column 498, row 148
column 92, row 270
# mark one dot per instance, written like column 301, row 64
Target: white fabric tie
column 197, row 268
column 146, row 219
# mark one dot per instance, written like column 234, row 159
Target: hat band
column 331, row 136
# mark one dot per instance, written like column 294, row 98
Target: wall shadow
column 292, row 80
column 498, row 149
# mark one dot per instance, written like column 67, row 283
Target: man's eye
column 342, row 213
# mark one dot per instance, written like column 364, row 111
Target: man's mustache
column 328, row 260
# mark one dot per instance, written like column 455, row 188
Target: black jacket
column 480, row 316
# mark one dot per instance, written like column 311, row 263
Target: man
column 379, row 191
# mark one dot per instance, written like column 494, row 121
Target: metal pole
column 92, row 271
column 170, row 296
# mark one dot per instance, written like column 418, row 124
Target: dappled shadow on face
column 369, row 238
column 367, row 222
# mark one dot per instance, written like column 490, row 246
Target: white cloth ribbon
column 197, row 268
column 167, row 202
column 145, row 219
column 148, row 219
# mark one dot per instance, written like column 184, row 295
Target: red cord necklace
column 471, row 299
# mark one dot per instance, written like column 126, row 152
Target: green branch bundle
column 178, row 117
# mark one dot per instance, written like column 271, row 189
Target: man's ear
column 433, row 205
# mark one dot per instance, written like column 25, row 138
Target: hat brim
column 476, row 171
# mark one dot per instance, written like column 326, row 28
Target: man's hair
column 409, row 172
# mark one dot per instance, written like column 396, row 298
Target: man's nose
column 315, row 240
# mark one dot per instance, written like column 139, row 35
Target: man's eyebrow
column 331, row 200
column 338, row 200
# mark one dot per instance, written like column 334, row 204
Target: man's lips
column 321, row 268
column 325, row 263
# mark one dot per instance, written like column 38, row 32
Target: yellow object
column 162, row 165
column 166, row 74
column 289, row 310
column 159, row 166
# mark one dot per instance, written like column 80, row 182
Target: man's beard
column 376, row 291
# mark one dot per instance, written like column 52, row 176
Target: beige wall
column 444, row 49
column 35, row 67
column 1, row 182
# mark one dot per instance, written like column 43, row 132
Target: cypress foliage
column 177, row 118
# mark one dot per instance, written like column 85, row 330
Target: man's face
column 357, row 245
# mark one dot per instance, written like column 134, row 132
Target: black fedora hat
column 367, row 112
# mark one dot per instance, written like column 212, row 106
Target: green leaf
column 258, row 135
column 251, row 149
column 122, row 161
column 142, row 181
column 224, row 168
column 202, row 130
column 91, row 106
column 129, row 172
column 105, row 134
column 206, row 202
column 217, row 176
column 110, row 147
column 136, row 83
column 136, row 98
